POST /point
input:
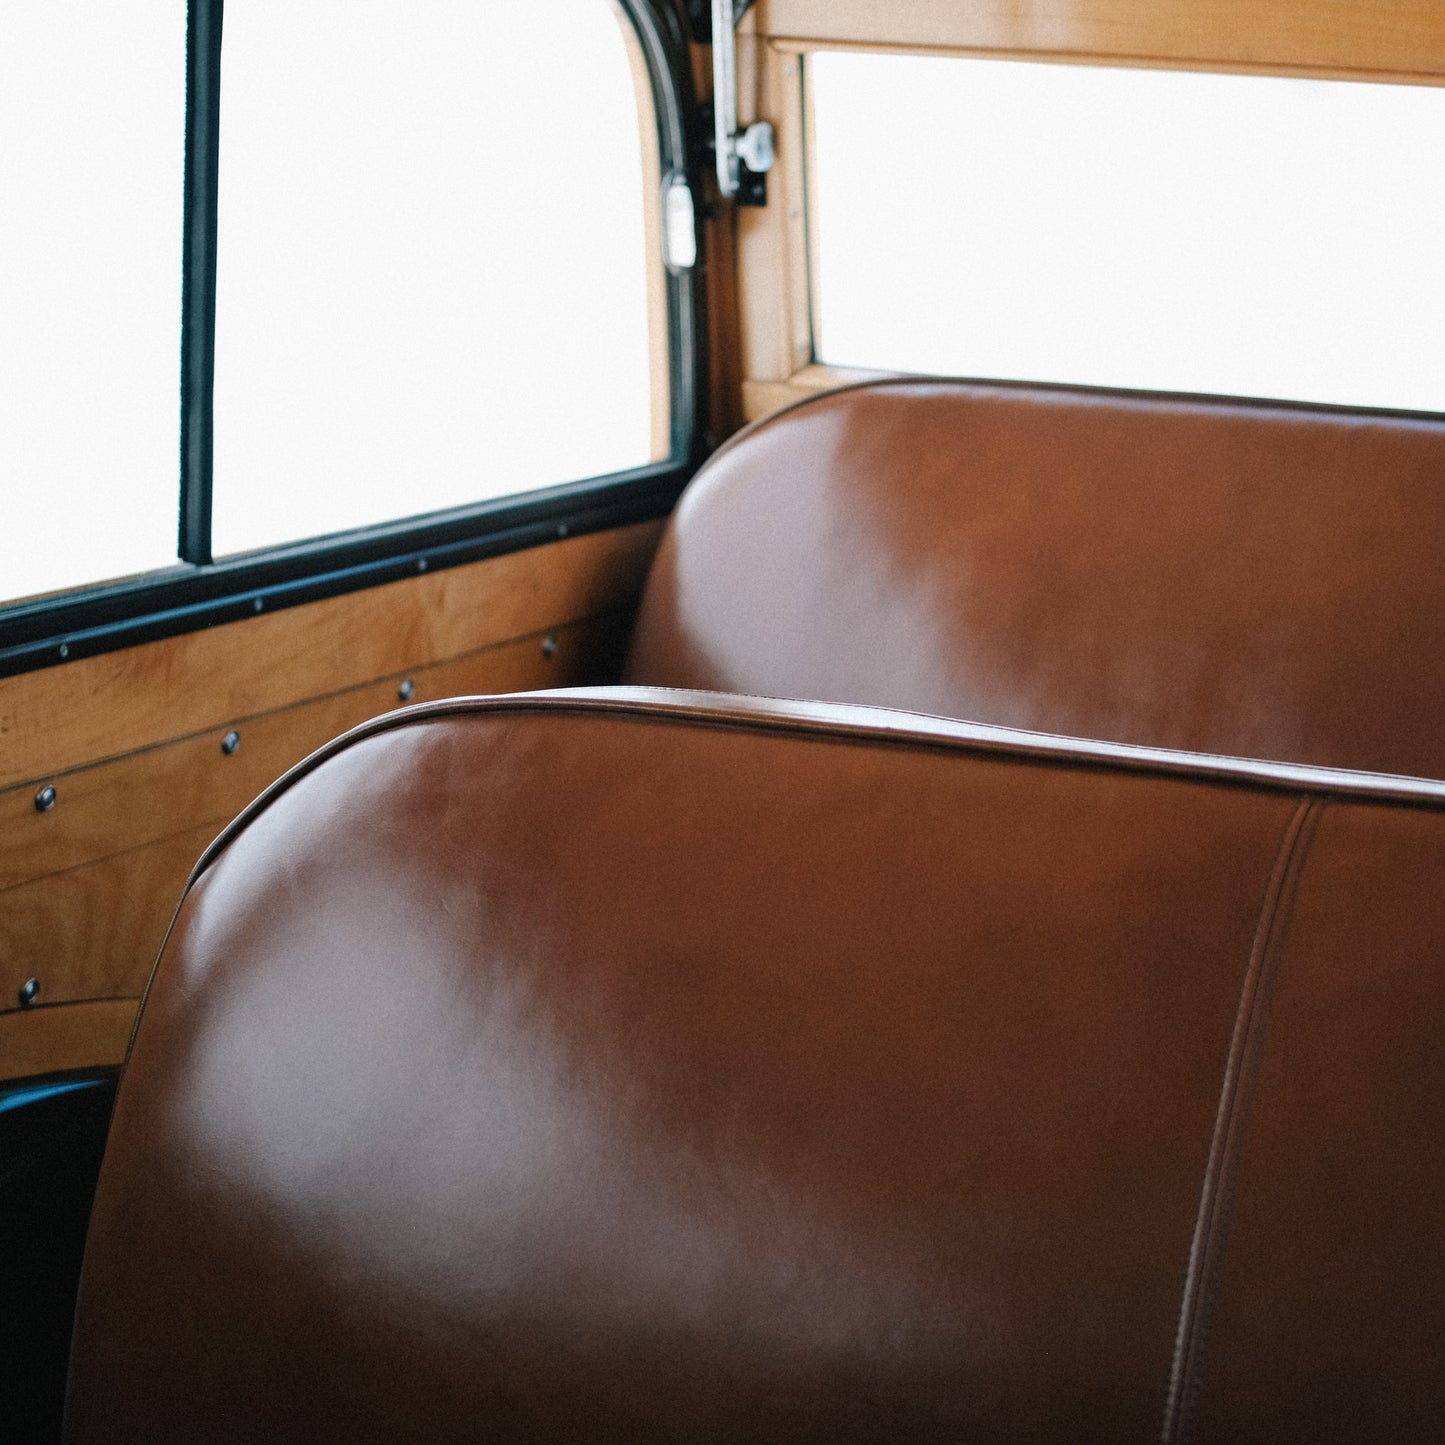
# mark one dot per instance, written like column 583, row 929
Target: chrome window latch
column 742, row 160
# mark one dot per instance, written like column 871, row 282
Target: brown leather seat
column 601, row 1067
column 1252, row 579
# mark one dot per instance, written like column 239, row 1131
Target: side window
column 435, row 262
column 90, row 289
column 423, row 301
column 1159, row 229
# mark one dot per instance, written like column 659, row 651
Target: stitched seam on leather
column 1211, row 1225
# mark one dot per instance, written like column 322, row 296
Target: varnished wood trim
column 807, row 48
column 94, row 932
column 775, row 314
column 762, row 398
column 1389, row 39
column 118, row 805
column 105, row 707
column 72, row 1036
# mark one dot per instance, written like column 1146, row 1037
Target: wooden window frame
column 1392, row 41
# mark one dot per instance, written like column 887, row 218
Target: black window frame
column 199, row 592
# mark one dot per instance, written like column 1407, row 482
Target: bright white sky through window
column 92, row 142
column 1156, row 229
column 432, row 280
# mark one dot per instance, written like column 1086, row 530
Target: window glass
column 437, row 273
column 1156, row 229
column 92, row 139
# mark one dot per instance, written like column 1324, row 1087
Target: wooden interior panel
column 103, row 707
column 94, row 932
column 776, row 326
column 114, row 806
column 132, row 744
column 50, row 1039
column 1395, row 39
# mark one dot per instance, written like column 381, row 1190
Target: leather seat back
column 603, row 1068
column 1231, row 577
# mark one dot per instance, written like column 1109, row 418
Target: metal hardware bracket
column 742, row 160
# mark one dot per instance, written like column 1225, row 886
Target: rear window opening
column 1156, row 229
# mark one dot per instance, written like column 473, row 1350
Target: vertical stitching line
column 1207, row 1245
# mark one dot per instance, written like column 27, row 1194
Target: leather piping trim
column 982, row 388
column 834, row 723
column 1211, row 1227
column 841, row 723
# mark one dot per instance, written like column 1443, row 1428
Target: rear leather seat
column 614, row 1066
column 1253, row 579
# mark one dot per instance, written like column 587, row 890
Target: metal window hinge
column 743, row 160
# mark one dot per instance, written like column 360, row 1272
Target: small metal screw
column 29, row 992
column 549, row 646
column 259, row 604
column 45, row 798
column 561, row 529
column 421, row 564
column 230, row 742
column 64, row 650
column 405, row 688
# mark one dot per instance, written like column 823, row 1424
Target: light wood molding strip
column 1397, row 39
column 775, row 316
column 762, row 398
column 103, row 707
